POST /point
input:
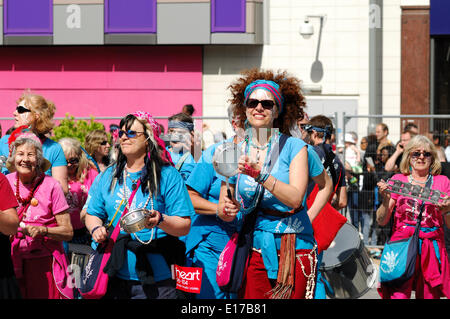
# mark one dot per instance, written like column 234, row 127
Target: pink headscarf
column 142, row 115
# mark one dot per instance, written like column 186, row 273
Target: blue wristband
column 94, row 229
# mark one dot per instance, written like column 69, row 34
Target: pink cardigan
column 432, row 276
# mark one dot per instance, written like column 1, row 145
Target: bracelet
column 94, row 229
column 273, row 184
column 261, row 178
column 161, row 219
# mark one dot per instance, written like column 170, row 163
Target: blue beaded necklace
column 273, row 138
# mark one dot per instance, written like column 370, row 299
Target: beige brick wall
column 344, row 53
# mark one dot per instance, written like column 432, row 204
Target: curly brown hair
column 294, row 101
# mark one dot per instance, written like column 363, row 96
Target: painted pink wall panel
column 100, row 80
column 102, row 67
column 103, row 81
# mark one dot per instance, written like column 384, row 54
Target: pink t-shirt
column 51, row 201
column 77, row 196
column 408, row 208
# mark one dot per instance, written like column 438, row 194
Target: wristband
column 161, row 219
column 94, row 229
column 251, row 171
column 261, row 178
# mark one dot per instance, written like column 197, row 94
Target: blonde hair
column 416, row 142
column 71, row 145
column 39, row 105
column 94, row 139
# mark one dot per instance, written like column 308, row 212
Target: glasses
column 21, row 109
column 73, row 160
column 129, row 133
column 304, row 126
column 364, row 142
column 266, row 104
column 104, row 143
column 418, row 154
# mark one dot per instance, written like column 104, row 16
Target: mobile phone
column 369, row 161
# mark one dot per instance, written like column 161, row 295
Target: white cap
column 349, row 138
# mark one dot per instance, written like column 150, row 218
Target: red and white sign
column 188, row 279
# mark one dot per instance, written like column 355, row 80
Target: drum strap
column 181, row 161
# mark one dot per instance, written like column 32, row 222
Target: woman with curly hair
column 268, row 105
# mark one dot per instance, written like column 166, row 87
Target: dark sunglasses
column 305, row 127
column 104, row 143
column 73, row 160
column 266, row 104
column 129, row 133
column 417, row 154
column 21, row 109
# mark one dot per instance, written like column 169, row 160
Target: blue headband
column 179, row 124
column 267, row 85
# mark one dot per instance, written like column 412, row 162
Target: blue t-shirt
column 54, row 153
column 4, row 150
column 268, row 229
column 172, row 199
column 206, row 182
column 187, row 166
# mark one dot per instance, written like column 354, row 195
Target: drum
column 347, row 266
column 78, row 256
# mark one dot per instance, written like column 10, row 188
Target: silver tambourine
column 134, row 220
column 225, row 161
column 414, row 191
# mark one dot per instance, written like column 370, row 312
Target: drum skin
column 347, row 266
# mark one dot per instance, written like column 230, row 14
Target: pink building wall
column 103, row 80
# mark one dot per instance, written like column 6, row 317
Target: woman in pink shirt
column 420, row 165
column 81, row 174
column 37, row 251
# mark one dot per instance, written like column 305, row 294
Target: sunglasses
column 21, row 109
column 417, row 154
column 104, row 143
column 129, row 133
column 305, row 126
column 266, row 104
column 73, row 160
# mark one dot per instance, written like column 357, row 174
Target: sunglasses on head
column 129, row 133
column 266, row 104
column 21, row 109
column 418, row 154
column 73, row 160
